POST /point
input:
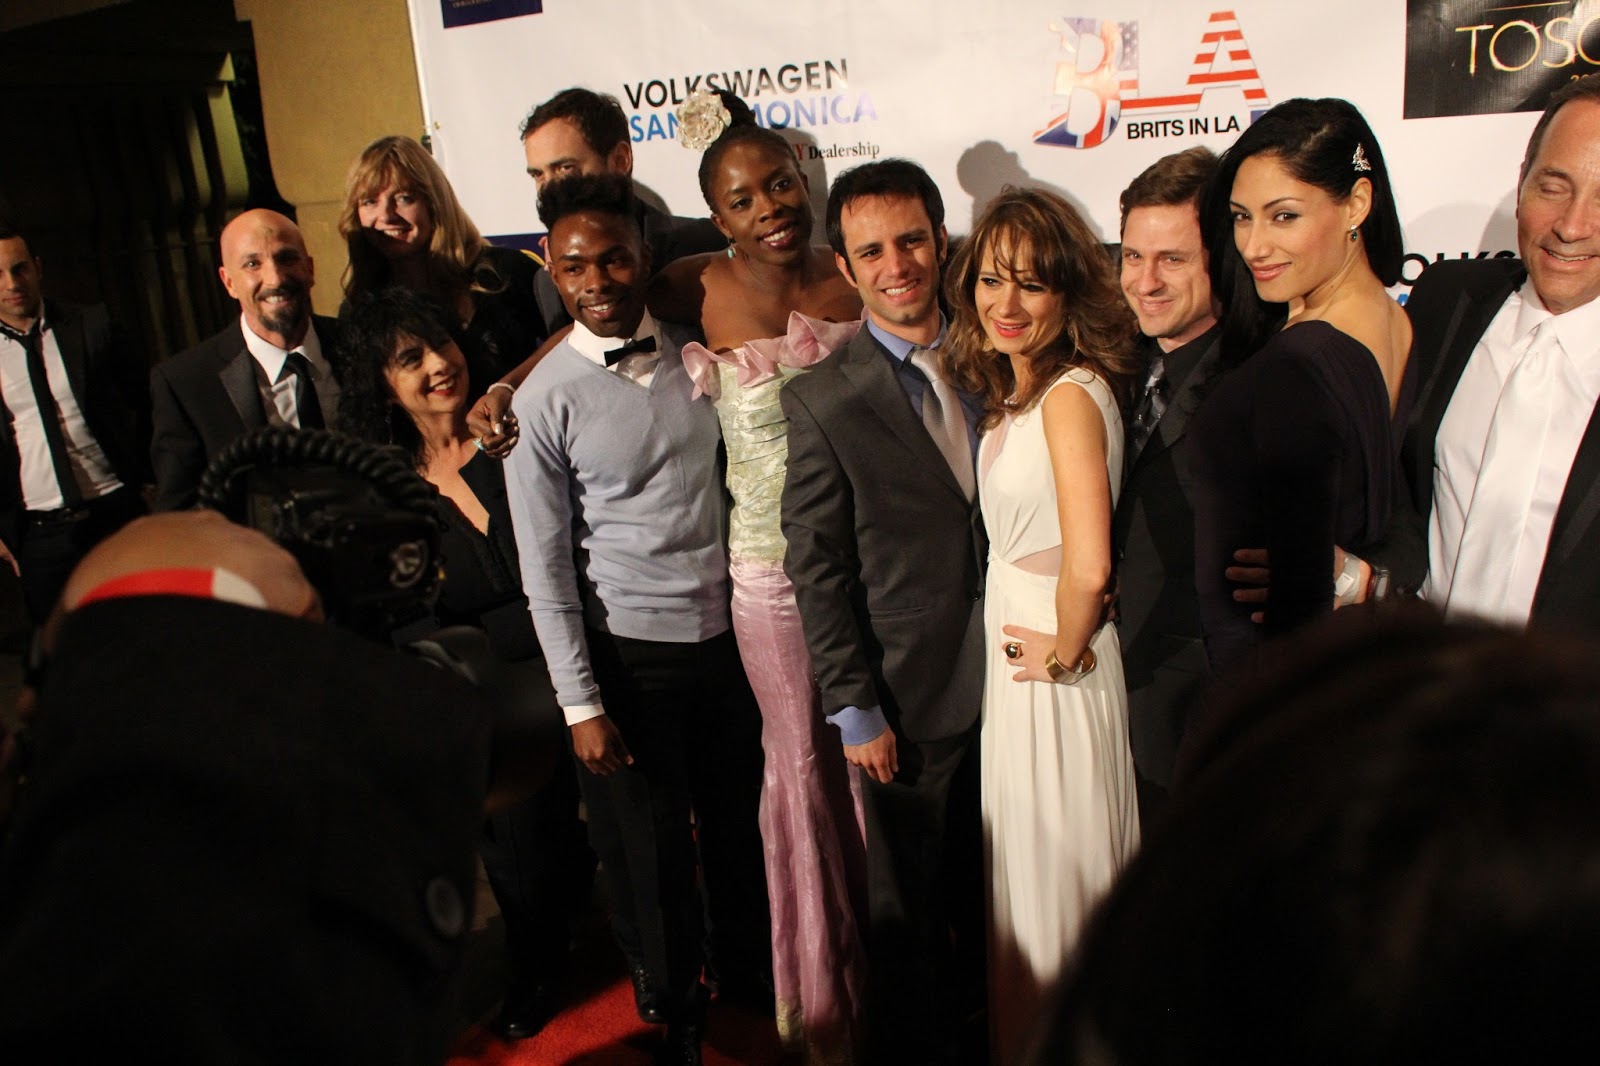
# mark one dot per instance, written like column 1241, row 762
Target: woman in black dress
column 403, row 226
column 406, row 383
column 1296, row 451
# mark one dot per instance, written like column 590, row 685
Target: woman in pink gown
column 771, row 307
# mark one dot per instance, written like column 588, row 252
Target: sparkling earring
column 1354, row 233
column 730, row 249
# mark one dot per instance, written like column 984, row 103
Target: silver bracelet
column 500, row 385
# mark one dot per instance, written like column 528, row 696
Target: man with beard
column 269, row 369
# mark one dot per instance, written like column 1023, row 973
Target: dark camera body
column 374, row 564
column 357, row 518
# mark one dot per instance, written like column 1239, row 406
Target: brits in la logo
column 1100, row 80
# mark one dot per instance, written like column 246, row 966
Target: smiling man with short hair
column 617, row 503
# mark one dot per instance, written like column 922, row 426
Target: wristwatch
column 1378, row 587
column 1061, row 673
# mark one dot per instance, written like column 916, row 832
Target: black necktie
column 634, row 347
column 49, row 414
column 306, row 404
column 1151, row 407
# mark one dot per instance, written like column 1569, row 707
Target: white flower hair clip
column 1359, row 160
column 701, row 120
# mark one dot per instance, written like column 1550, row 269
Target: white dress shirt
column 90, row 468
column 639, row 367
column 1459, row 453
column 277, row 397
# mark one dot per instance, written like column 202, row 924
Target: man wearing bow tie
column 269, row 368
column 617, row 503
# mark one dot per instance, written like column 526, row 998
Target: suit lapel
column 238, row 377
column 1473, row 310
column 868, row 369
column 1579, row 506
column 70, row 341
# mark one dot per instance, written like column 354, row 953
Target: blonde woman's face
column 396, row 220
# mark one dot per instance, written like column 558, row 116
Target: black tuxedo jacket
column 204, row 399
column 1152, row 537
column 884, row 550
column 1450, row 307
column 107, row 375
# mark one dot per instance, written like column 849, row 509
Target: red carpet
column 599, row 1025
column 603, row 1029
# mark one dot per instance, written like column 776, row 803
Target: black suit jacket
column 204, row 399
column 669, row 238
column 1152, row 536
column 245, row 839
column 107, row 375
column 1450, row 307
column 884, row 550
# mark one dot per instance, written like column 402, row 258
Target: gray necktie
column 1150, row 409
column 945, row 421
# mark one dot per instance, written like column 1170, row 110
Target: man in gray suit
column 1165, row 280
column 886, row 550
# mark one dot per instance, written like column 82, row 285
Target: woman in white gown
column 1041, row 331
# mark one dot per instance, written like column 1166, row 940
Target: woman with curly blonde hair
column 404, row 226
column 1040, row 330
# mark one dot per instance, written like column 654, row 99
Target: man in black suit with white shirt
column 1166, row 281
column 272, row 367
column 1502, row 458
column 75, row 431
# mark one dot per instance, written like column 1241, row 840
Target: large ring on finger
column 1013, row 649
column 478, row 441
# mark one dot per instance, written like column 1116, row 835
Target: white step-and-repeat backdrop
column 1079, row 95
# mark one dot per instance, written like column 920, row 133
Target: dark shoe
column 682, row 1047
column 525, row 1012
column 648, row 996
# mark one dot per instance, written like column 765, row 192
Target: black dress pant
column 54, row 542
column 690, row 721
column 925, row 940
column 538, row 862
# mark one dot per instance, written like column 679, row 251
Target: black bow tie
column 633, row 347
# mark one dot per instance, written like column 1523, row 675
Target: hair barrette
column 1359, row 160
column 701, row 120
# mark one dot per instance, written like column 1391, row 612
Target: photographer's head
column 402, row 371
column 1395, row 863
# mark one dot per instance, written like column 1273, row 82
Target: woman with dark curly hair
column 403, row 226
column 406, row 384
column 1040, row 330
